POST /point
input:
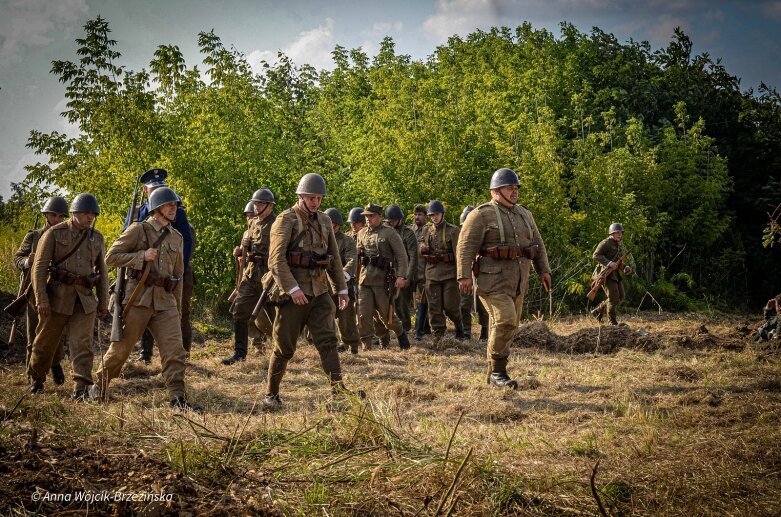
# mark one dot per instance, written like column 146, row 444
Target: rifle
column 117, row 320
column 390, row 288
column 357, row 279
column 239, row 274
column 22, row 296
column 600, row 280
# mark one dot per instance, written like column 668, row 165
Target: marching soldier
column 438, row 247
column 356, row 222
column 380, row 249
column 505, row 239
column 249, row 211
column 608, row 254
column 422, row 326
column 54, row 211
column 70, row 262
column 303, row 258
column 152, row 252
column 156, row 180
column 470, row 302
column 257, row 337
column 346, row 319
column 394, row 218
column 253, row 253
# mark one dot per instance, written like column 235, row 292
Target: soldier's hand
column 546, row 281
column 299, row 298
column 237, row 251
column 343, row 301
column 246, row 242
column 44, row 310
column 465, row 284
column 150, row 254
column 401, row 282
column 423, row 249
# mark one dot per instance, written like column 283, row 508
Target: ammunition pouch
column 511, row 252
column 58, row 274
column 308, row 260
column 377, row 261
column 168, row 283
column 436, row 259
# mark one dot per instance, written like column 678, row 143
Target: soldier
column 346, row 319
column 182, row 225
column 253, row 253
column 249, row 211
column 356, row 222
column 505, row 239
column 769, row 329
column 70, row 262
column 54, row 211
column 380, row 249
column 608, row 254
column 438, row 246
column 472, row 302
column 258, row 338
column 422, row 326
column 394, row 218
column 152, row 252
column 303, row 257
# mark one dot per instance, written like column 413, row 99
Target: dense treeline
column 661, row 140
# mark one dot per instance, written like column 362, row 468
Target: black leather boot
column 460, row 334
column 404, row 343
column 58, row 376
column 498, row 377
column 241, row 338
column 147, row 342
column 420, row 321
column 484, row 333
column 276, row 370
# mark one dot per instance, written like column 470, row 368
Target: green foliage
column 599, row 131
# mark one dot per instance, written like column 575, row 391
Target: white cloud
column 312, row 47
column 462, row 17
column 26, row 24
column 382, row 29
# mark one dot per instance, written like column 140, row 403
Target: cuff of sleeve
column 343, row 291
column 296, row 288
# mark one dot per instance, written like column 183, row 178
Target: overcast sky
column 745, row 34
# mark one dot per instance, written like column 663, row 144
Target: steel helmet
column 263, row 195
column 162, row 196
column 467, row 209
column 355, row 215
column 55, row 205
column 335, row 215
column 311, row 184
column 393, row 212
column 504, row 177
column 615, row 227
column 250, row 208
column 436, row 207
column 85, row 202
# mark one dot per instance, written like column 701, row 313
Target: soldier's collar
column 156, row 225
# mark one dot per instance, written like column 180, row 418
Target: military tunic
column 501, row 283
column 404, row 299
column 24, row 264
column 255, row 260
column 609, row 250
column 72, row 306
column 442, row 291
column 346, row 319
column 155, row 307
column 372, row 243
column 317, row 242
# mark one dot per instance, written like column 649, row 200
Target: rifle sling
column 145, row 274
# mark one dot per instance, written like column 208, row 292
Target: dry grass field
column 665, row 415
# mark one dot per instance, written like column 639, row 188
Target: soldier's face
column 53, row 218
column 420, row 218
column 437, row 218
column 507, row 195
column 617, row 236
column 168, row 211
column 336, row 227
column 373, row 220
column 356, row 226
column 249, row 215
column 393, row 223
column 83, row 219
column 262, row 209
column 311, row 202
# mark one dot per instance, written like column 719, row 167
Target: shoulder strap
column 499, row 222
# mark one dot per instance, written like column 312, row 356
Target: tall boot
column 404, row 343
column 146, row 347
column 276, row 370
column 498, row 377
column 241, row 338
column 483, row 332
column 420, row 321
column 460, row 334
column 426, row 325
column 331, row 365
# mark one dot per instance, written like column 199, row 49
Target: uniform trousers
column 444, row 298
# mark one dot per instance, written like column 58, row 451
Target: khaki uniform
column 28, row 247
column 609, row 250
column 315, row 282
column 384, row 244
column 155, row 308
column 73, row 306
column 346, row 319
column 467, row 304
column 420, row 277
column 442, row 291
column 501, row 283
column 405, row 296
column 255, row 260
